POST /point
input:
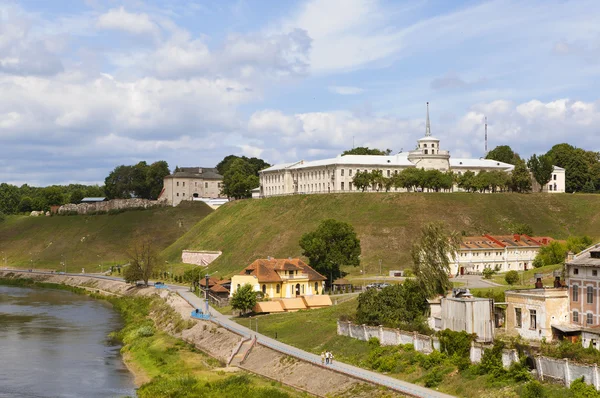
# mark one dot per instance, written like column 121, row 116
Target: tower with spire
column 428, row 154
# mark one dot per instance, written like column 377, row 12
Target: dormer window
column 248, row 272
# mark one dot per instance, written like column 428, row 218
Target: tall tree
column 363, row 150
column 143, row 260
column 332, row 245
column 255, row 163
column 239, row 180
column 408, row 178
column 431, row 256
column 467, row 181
column 155, row 175
column 541, row 167
column 76, row 196
column 119, row 183
column 521, row 179
column 53, row 195
column 503, row 153
column 578, row 165
column 9, row 198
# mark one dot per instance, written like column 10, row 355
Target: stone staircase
column 242, row 352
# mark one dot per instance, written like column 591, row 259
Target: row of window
column 576, row 272
column 589, row 318
column 519, row 318
column 278, row 288
column 589, row 291
column 196, row 184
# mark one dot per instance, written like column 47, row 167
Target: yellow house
column 280, row 278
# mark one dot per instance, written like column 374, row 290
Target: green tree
column 255, row 163
column 541, row 167
column 362, row 180
column 503, row 153
column 76, row 196
column 53, row 195
column 397, row 306
column 244, row 299
column 589, row 187
column 522, row 229
column 553, row 253
column 511, row 277
column 466, row 181
column 9, row 198
column 143, row 261
column 239, row 180
column 120, row 183
column 155, row 175
column 520, row 179
column 377, row 180
column 331, row 245
column 408, row 178
column 363, row 150
column 578, row 165
column 577, row 244
column 25, row 205
column 431, row 256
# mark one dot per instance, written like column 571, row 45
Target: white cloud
column 346, row 90
column 134, row 23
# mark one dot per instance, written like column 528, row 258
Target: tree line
column 582, row 167
column 413, row 179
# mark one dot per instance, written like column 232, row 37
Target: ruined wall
column 115, row 204
column 199, row 257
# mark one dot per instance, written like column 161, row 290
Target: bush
column 145, row 331
column 408, row 273
column 581, row 390
column 434, row 378
column 511, row 277
column 488, row 273
column 538, row 262
column 533, row 389
column 2, row 217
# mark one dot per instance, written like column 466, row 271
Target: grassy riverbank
column 164, row 366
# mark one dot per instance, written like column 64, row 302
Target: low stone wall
column 115, row 204
column 547, row 368
column 199, row 257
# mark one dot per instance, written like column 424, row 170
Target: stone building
column 584, row 286
column 335, row 175
column 501, row 252
column 191, row 183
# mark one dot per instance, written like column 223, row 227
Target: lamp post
column 206, row 291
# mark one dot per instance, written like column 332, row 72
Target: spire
column 427, row 126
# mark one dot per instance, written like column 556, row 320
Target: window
column 594, row 272
column 575, row 317
column 278, row 288
column 342, row 172
column 554, row 177
column 342, row 186
column 532, row 319
column 183, row 183
column 433, row 145
column 590, row 319
column 264, row 289
column 590, row 295
column 576, row 271
column 575, row 293
column 349, row 186
column 177, row 183
column 550, row 187
column 425, row 151
column 388, row 173
column 518, row 319
column 349, row 172
column 316, row 286
column 425, row 146
column 177, row 193
column 183, row 194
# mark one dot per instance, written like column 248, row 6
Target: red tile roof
column 266, row 269
column 502, row 241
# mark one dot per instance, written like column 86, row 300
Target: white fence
column 547, row 368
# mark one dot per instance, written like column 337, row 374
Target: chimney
column 544, row 241
column 517, row 237
column 557, row 275
column 570, row 256
column 538, row 281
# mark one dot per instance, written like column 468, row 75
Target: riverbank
column 183, row 355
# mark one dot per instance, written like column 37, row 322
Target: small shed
column 342, row 285
column 93, row 200
column 219, row 291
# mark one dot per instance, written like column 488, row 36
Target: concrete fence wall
column 547, row 368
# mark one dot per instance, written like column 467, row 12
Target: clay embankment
column 221, row 343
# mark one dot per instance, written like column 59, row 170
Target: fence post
column 415, row 341
column 567, row 373
column 595, row 376
column 380, row 334
column 365, row 333
column 540, row 369
column 398, row 338
column 350, row 330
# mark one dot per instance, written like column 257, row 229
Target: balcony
column 298, row 276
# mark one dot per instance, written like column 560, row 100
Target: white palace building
column 335, row 175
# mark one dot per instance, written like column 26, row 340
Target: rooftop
column 400, row 159
column 502, row 241
column 590, row 257
column 265, row 270
column 206, row 173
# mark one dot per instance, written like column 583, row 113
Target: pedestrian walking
column 323, row 358
column 331, row 358
column 327, row 356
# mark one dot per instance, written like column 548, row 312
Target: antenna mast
column 486, row 142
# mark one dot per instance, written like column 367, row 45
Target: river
column 54, row 343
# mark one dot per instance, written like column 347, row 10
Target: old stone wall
column 114, row 204
column 199, row 257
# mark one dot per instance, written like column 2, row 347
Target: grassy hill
column 387, row 223
column 87, row 241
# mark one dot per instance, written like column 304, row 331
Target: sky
column 87, row 85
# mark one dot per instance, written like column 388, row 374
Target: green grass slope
column 87, row 241
column 387, row 223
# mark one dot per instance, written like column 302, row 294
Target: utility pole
column 380, row 272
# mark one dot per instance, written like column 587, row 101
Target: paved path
column 474, row 281
column 363, row 374
column 353, row 371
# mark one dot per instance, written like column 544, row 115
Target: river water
column 53, row 343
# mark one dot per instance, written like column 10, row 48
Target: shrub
column 2, row 217
column 580, row 389
column 145, row 331
column 538, row 262
column 488, row 273
column 408, row 273
column 511, row 277
column 533, row 389
column 374, row 342
column 433, row 359
column 434, row 378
